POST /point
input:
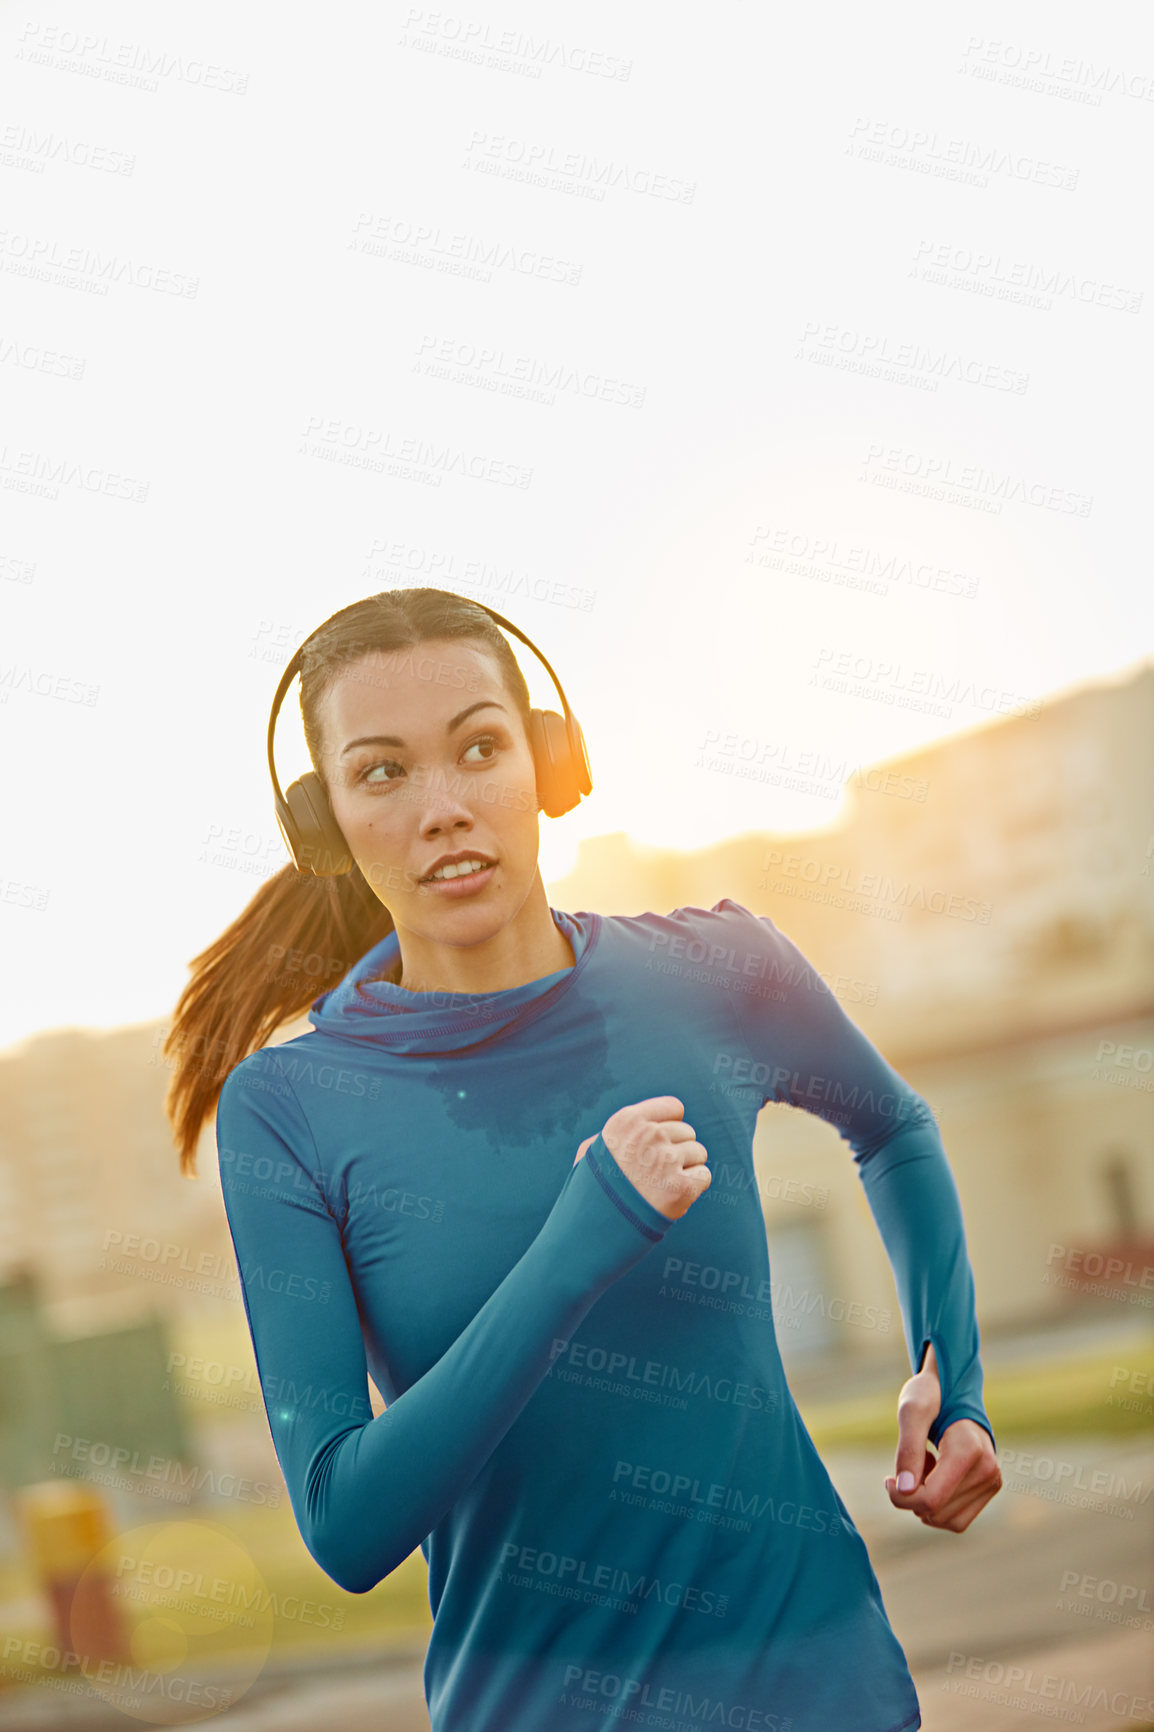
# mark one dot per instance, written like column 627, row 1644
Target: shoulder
column 265, row 1143
column 725, row 947
column 260, row 1089
column 698, row 928
column 725, row 944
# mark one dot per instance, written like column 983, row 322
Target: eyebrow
column 395, row 740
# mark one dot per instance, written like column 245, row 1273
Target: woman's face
column 426, row 755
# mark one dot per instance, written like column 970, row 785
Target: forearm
column 914, row 1199
column 366, row 1495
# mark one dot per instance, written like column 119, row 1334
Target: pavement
column 1019, row 1616
column 1042, row 1609
column 996, row 1632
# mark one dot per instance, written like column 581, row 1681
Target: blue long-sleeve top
column 588, row 1429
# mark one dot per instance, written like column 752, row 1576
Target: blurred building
column 985, row 913
column 91, row 1195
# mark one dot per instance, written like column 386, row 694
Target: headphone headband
column 304, row 815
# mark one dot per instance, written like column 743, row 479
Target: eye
column 365, row 775
column 383, row 764
column 484, row 740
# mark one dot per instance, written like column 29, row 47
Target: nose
column 440, row 807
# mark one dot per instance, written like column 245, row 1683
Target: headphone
column 314, row 838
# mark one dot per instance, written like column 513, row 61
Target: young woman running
column 509, row 1175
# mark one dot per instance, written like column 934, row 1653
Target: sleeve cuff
column 624, row 1192
column 951, row 1415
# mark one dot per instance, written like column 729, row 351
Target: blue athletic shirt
column 588, row 1430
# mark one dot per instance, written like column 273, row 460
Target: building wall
column 992, row 938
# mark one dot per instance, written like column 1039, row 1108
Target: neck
column 529, row 947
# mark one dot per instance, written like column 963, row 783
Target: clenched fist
column 658, row 1153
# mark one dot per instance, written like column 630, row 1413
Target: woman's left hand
column 950, row 1489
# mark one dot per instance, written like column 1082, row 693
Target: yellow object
column 66, row 1521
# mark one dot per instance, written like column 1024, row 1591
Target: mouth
column 460, row 878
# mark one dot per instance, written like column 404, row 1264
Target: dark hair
column 236, row 1000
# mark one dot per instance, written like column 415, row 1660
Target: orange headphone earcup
column 562, row 777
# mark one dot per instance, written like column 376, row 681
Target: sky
column 782, row 376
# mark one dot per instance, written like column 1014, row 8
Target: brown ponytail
column 299, row 935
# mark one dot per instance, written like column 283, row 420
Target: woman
column 483, row 1178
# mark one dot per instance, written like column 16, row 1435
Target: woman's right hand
column 658, row 1153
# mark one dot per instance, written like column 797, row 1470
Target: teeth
column 459, row 870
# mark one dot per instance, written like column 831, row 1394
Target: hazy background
column 732, row 324
column 786, row 376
